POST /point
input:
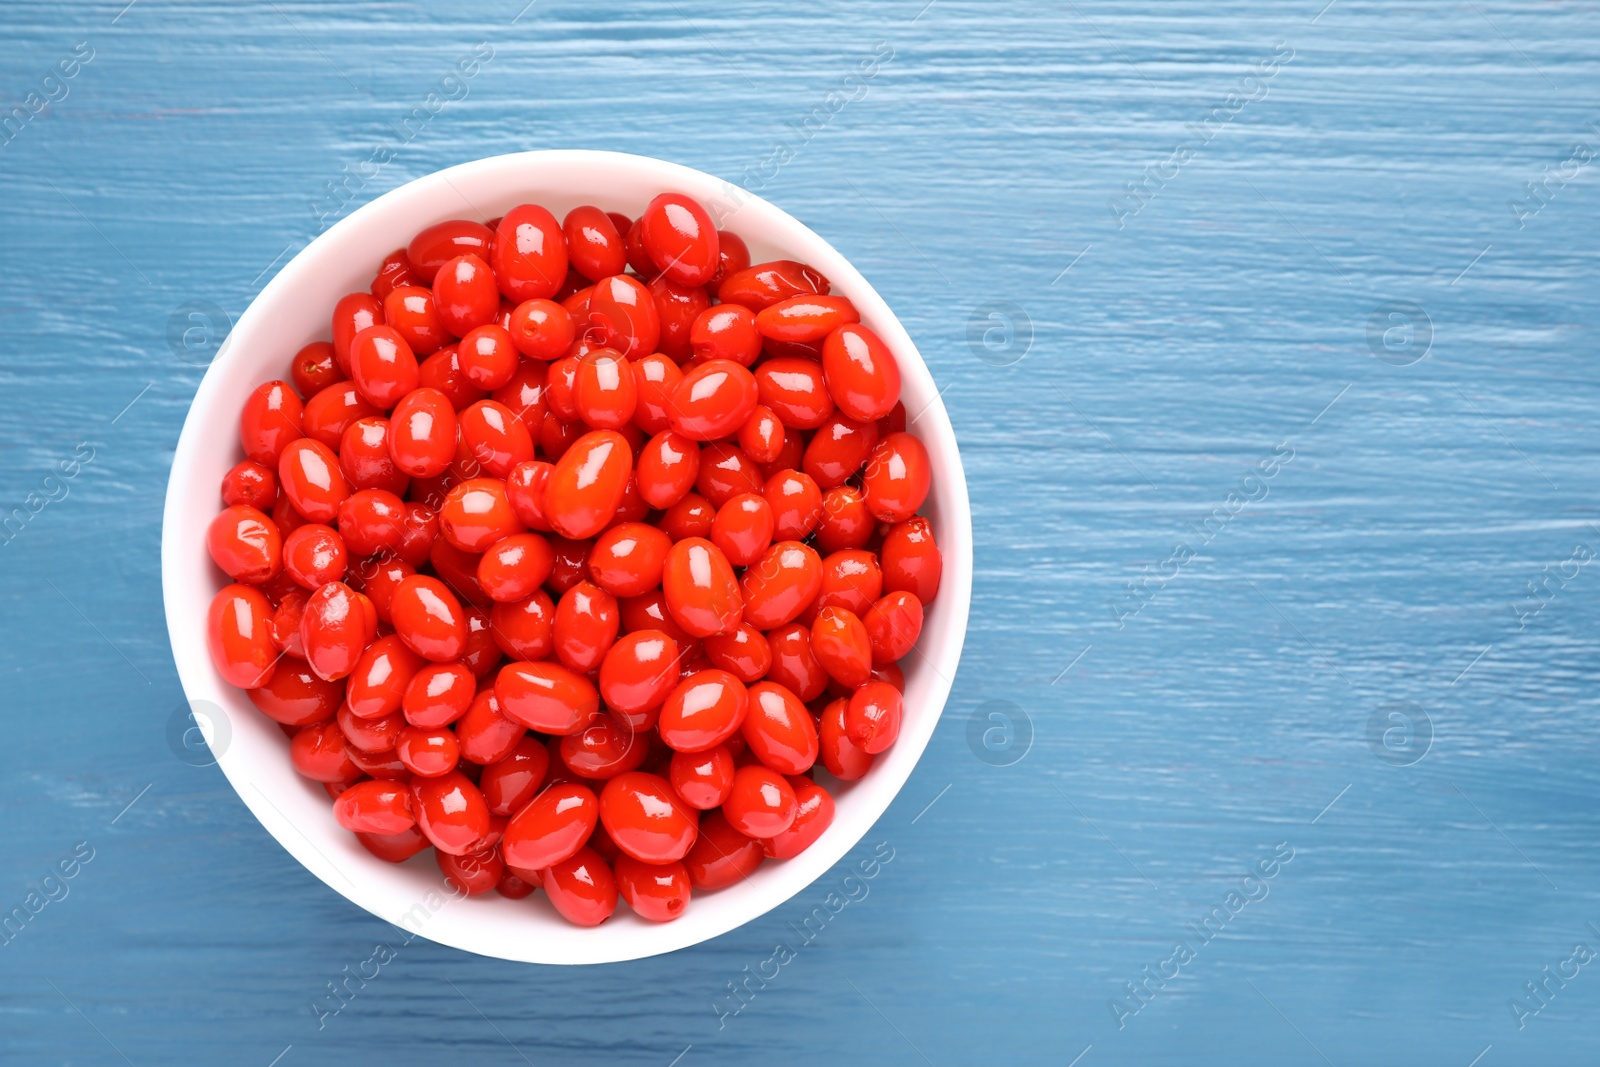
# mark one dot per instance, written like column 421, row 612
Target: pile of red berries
column 575, row 573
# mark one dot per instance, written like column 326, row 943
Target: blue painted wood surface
column 1283, row 470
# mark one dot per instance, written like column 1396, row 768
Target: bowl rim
column 184, row 563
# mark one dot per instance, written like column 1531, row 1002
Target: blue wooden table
column 1269, row 334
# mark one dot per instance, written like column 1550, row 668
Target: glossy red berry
column 372, row 521
column 669, row 464
column 465, row 294
column 250, row 484
column 438, row 694
column 677, row 306
column 762, row 437
column 656, row 378
column 328, row 414
column 422, row 433
column 840, row 754
column 714, row 400
column 383, row 366
column 897, row 478
column 546, row 697
column 623, row 316
column 515, row 567
column 314, row 368
column 394, row 848
column 587, row 484
column 778, row 586
column 585, row 626
column 239, row 637
column 484, row 733
column 476, row 514
column 646, row 819
column 639, row 671
column 427, row 752
column 726, row 472
column 795, row 390
column 364, row 457
column 863, row 375
column 474, row 873
column 594, row 247
column 721, row 856
column 270, row 421
column 530, row 254
column 841, row 644
column 438, row 244
column 701, row 591
column 743, row 652
column 680, row 239
column 495, row 437
column 451, row 812
column 796, row 504
column 911, row 559
column 845, row 521
column 508, row 784
column 733, row 255
column 487, row 355
column 443, row 371
column 762, row 802
column 292, row 694
column 805, row 318
column 376, row 687
column 393, row 272
column 851, row 579
column 605, row 748
column 813, row 815
column 582, row 888
column 428, row 618
column 779, row 729
column 244, row 542
column 541, row 329
column 628, row 558
column 893, row 624
column 703, row 711
column 658, row 892
column 311, row 479
column 551, row 827
column 703, row 779
column 794, row 665
column 760, row 286
column 370, row 739
column 412, row 312
column 336, row 628
column 321, row 753
column 872, row 718
column 727, row 331
column 375, row 807
column 605, row 391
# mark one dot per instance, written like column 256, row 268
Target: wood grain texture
column 1385, row 567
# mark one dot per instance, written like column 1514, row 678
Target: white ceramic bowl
column 293, row 310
